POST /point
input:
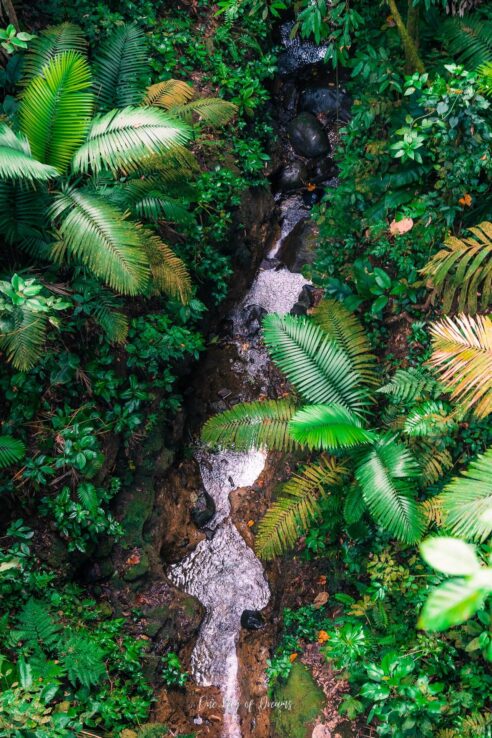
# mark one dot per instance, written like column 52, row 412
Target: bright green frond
column 146, row 198
column 408, row 385
column 99, row 235
column 48, row 44
column 11, row 451
column 16, row 161
column 316, row 365
column 467, row 501
column 328, row 427
column 250, row 425
column 120, row 63
column 468, row 39
column 296, row 508
column 342, row 326
column 23, row 213
column 56, row 108
column 23, row 338
column 169, row 272
column 212, row 111
column 121, row 139
column 431, row 418
column 386, row 474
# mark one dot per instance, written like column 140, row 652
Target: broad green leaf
column 451, row 604
column 450, row 555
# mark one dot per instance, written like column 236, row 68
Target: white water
column 223, row 572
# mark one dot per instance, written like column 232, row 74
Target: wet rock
column 252, row 316
column 322, row 169
column 204, row 510
column 328, row 100
column 252, row 620
column 308, row 136
column 311, row 197
column 298, row 53
column 292, row 176
column 98, row 571
column 298, row 248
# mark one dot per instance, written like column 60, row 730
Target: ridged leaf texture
column 431, row 418
column 462, row 358
column 434, row 463
column 11, row 450
column 50, row 43
column 169, row 273
column 121, row 139
column 342, row 326
column 36, row 627
column 120, row 63
column 317, row 366
column 387, row 474
column 178, row 98
column 292, row 514
column 467, row 501
column 83, row 659
column 328, row 427
column 99, row 236
column 23, row 337
column 56, row 108
column 468, row 39
column 414, row 383
column 23, row 215
column 168, row 94
column 147, row 198
column 250, row 425
column 461, row 272
column 16, row 161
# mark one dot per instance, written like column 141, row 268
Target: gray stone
column 252, row 620
column 292, row 176
column 204, row 510
column 308, row 136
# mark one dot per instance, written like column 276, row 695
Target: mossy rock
column 296, row 704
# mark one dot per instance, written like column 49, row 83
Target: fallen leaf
column 310, row 187
column 322, row 579
column 250, row 523
column 292, row 657
column 323, row 636
column 397, row 228
column 466, row 200
column 320, row 600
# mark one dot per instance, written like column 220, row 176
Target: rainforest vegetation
column 132, row 134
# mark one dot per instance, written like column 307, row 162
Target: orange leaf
column 323, row 636
column 292, row 657
column 466, row 200
column 250, row 523
column 397, row 228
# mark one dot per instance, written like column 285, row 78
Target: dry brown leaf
column 397, row 228
column 320, row 600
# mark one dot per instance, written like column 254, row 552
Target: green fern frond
column 103, row 239
column 413, row 384
column 387, row 474
column 83, row 659
column 485, row 79
column 36, row 627
column 56, row 108
column 463, row 270
column 250, row 425
column 146, row 198
column 120, row 63
column 432, row 510
column 467, row 501
column 468, row 39
column 316, row 365
column 104, row 310
column 168, row 271
column 296, row 509
column 476, row 725
column 50, row 43
column 434, row 463
column 431, row 418
column 11, row 451
column 342, row 326
column 213, row 111
column 23, row 336
column 121, row 139
column 354, row 505
column 23, row 216
column 328, row 427
column 16, row 162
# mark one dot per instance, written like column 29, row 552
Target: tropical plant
column 11, row 450
column 77, row 185
column 462, row 357
column 462, row 270
column 468, row 39
column 327, row 361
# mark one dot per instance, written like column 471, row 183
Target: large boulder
column 292, row 176
column 328, row 100
column 308, row 136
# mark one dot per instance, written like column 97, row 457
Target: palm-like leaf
column 11, row 450
column 22, row 213
column 342, row 326
column 431, row 418
column 462, row 356
column 467, row 501
column 51, row 42
column 99, row 235
column 23, row 338
column 316, row 365
column 463, row 269
column 414, row 383
column 250, row 425
column 169, row 273
column 296, row 509
column 56, row 108
column 469, row 39
column 121, row 139
column 120, row 63
column 177, row 97
column 168, row 94
column 146, row 198
column 385, row 474
column 328, row 427
column 16, row 162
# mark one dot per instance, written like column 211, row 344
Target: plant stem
column 414, row 62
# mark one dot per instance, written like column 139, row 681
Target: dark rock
column 308, row 136
column 252, row 316
column 252, row 620
column 328, row 100
column 292, row 176
column 298, row 247
column 322, row 169
column 98, row 571
column 204, row 510
column 311, row 197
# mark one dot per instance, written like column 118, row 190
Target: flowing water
column 222, row 571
